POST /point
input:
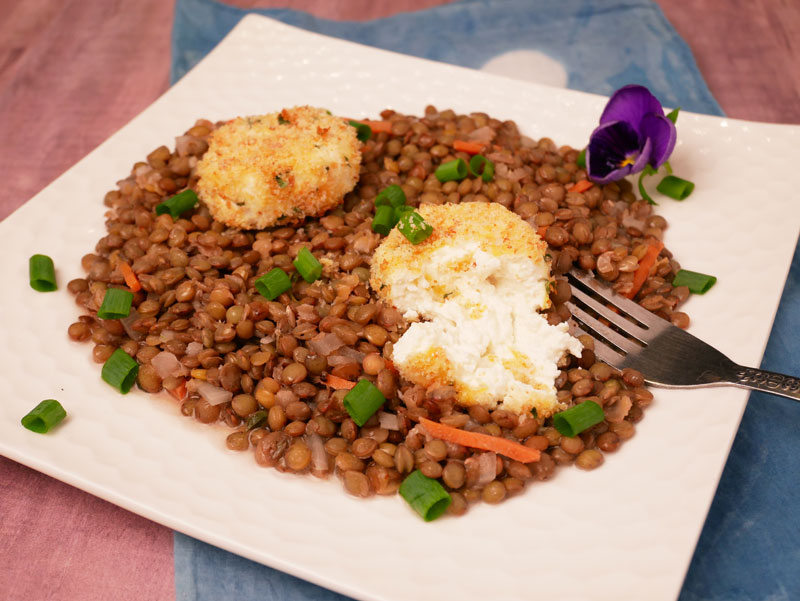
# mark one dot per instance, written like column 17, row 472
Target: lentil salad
column 198, row 303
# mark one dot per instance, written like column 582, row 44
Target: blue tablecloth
column 748, row 550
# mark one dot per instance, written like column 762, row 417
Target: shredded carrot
column 542, row 230
column 645, row 263
column 130, row 278
column 468, row 147
column 379, row 126
column 338, row 383
column 475, row 440
column 580, row 186
column 179, row 392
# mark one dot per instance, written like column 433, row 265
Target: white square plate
column 625, row 531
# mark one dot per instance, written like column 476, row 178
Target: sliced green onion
column 120, row 371
column 363, row 400
column 479, row 165
column 42, row 273
column 698, row 283
column 391, row 195
column 256, row 419
column 401, row 212
column 581, row 160
column 273, row 283
column 414, row 227
column 425, row 495
column 675, row 187
column 44, row 417
column 648, row 170
column 576, row 419
column 178, row 204
column 363, row 131
column 307, row 265
column 454, row 170
column 673, row 114
column 116, row 304
column 385, row 219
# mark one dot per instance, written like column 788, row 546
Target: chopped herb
column 281, row 182
column 273, row 283
column 44, row 416
column 675, row 187
column 575, row 420
column 698, row 283
column 42, row 273
column 425, row 495
column 414, row 227
column 363, row 131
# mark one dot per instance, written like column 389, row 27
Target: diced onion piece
column 390, row 421
column 166, row 364
column 487, row 468
column 319, row 457
column 193, row 348
column 214, row 395
column 127, row 323
column 325, row 343
column 619, row 410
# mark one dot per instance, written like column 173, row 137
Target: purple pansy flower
column 633, row 133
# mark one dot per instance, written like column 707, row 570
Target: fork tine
column 618, row 320
column 611, row 335
column 625, row 305
column 602, row 351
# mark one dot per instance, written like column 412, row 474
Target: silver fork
column 665, row 354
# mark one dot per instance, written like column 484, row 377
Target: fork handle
column 767, row 381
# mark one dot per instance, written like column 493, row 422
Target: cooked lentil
column 198, row 302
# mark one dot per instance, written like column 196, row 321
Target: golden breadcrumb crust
column 497, row 231
column 494, row 228
column 278, row 168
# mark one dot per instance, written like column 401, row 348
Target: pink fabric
column 73, row 71
column 59, row 543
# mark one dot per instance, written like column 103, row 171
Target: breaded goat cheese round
column 474, row 289
column 278, row 168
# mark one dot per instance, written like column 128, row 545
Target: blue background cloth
column 749, row 549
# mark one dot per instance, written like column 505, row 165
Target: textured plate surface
column 628, row 529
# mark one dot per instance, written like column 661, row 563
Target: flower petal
column 644, row 156
column 611, row 147
column 661, row 132
column 631, row 104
